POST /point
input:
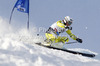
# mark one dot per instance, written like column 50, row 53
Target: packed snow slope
column 18, row 48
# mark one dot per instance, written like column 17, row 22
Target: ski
column 69, row 51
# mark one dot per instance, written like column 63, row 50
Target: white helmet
column 68, row 19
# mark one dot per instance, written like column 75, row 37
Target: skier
column 52, row 34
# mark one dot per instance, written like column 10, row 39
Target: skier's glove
column 79, row 40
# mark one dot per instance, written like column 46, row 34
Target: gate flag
column 22, row 6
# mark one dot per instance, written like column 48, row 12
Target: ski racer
column 52, row 34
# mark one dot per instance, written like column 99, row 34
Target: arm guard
column 71, row 35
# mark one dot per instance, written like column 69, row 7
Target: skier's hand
column 79, row 40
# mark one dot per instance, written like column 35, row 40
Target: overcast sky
column 85, row 13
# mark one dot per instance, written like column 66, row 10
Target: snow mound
column 16, row 53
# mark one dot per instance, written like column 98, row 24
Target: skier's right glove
column 79, row 40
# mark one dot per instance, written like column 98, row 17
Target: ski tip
column 93, row 55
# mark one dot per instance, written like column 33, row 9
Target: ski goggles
column 69, row 22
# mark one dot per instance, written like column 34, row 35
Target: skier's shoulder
column 60, row 24
column 59, row 21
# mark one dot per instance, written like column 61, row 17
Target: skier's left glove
column 79, row 40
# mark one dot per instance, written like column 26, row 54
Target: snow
column 86, row 27
column 17, row 48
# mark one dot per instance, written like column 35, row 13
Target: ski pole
column 71, row 42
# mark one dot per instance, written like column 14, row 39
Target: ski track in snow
column 17, row 48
